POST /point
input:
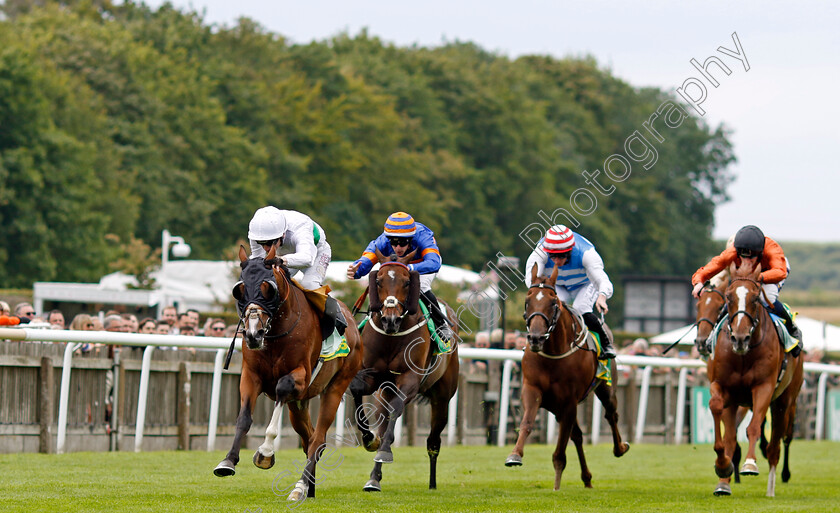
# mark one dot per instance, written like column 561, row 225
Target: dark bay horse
column 750, row 368
column 280, row 358
column 557, row 374
column 399, row 364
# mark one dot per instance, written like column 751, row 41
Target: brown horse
column 280, row 358
column 557, row 374
column 751, row 370
column 710, row 305
column 399, row 365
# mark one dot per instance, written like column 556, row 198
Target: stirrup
column 607, row 353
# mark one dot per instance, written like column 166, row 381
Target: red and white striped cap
column 558, row 239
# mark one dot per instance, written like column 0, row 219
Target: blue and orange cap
column 400, row 224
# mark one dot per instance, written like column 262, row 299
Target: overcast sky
column 784, row 112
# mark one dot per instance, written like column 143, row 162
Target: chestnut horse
column 557, row 374
column 752, row 370
column 710, row 305
column 399, row 364
column 280, row 358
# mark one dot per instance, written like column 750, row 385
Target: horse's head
column 742, row 297
column 400, row 288
column 257, row 297
column 709, row 305
column 542, row 309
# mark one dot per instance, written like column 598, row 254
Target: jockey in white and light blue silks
column 581, row 279
column 401, row 236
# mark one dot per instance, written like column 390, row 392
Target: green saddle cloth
column 335, row 346
column 603, row 371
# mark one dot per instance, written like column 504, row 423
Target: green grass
column 648, row 478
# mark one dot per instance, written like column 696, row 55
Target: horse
column 280, row 358
column 751, row 370
column 399, row 364
column 557, row 374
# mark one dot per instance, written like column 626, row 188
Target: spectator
column 170, row 315
column 187, row 330
column 6, row 317
column 82, row 322
column 97, row 324
column 56, row 319
column 163, row 327
column 639, row 347
column 130, row 321
column 195, row 317
column 215, row 328
column 114, row 323
column 24, row 312
column 184, row 320
column 148, row 326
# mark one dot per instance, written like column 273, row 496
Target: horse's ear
column 413, row 299
column 373, row 294
column 408, row 257
column 379, row 256
column 268, row 289
column 534, row 273
column 271, row 253
column 553, row 279
column 239, row 290
column 243, row 256
column 732, row 270
column 757, row 271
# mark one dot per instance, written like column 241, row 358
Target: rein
column 391, row 302
column 279, row 305
column 552, row 324
column 754, row 321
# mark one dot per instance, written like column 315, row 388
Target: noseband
column 552, row 323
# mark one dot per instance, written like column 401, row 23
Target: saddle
column 787, row 342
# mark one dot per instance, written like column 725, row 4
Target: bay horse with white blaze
column 749, row 367
column 558, row 372
column 400, row 364
column 280, row 358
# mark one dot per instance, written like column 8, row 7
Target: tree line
column 119, row 121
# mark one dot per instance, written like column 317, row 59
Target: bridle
column 393, row 302
column 552, row 323
column 706, row 319
column 753, row 320
column 271, row 311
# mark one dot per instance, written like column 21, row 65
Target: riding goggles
column 748, row 253
column 399, row 241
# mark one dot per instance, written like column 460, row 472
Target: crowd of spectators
column 170, row 322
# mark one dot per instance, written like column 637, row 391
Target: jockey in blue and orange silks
column 581, row 279
column 401, row 236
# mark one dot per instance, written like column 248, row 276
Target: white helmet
column 268, row 223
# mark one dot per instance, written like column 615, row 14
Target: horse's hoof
column 621, row 450
column 373, row 445
column 263, row 462
column 299, row 492
column 372, row 486
column 723, row 489
column 724, row 473
column 224, row 469
column 785, row 475
column 384, row 457
column 749, row 468
column 514, row 460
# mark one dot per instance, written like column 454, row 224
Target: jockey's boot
column 780, row 310
column 442, row 328
column 332, row 311
column 594, row 323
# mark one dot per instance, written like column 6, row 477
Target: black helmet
column 750, row 238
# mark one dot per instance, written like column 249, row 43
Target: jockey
column 401, row 236
column 580, row 278
column 750, row 243
column 301, row 245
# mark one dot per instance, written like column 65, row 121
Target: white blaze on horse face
column 539, row 296
column 741, row 292
column 708, row 300
column 392, row 275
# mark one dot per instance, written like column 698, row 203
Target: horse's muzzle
column 740, row 343
column 391, row 323
column 536, row 342
column 254, row 340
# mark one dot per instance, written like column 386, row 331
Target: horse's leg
column 396, row 398
column 577, row 438
column 361, row 386
column 736, row 454
column 264, row 457
column 606, row 394
column 787, row 439
column 568, row 420
column 723, row 463
column 440, row 395
column 301, row 422
column 374, row 483
column 531, row 400
column 330, row 400
column 761, row 401
column 249, row 390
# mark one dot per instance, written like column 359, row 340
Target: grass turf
column 648, row 478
